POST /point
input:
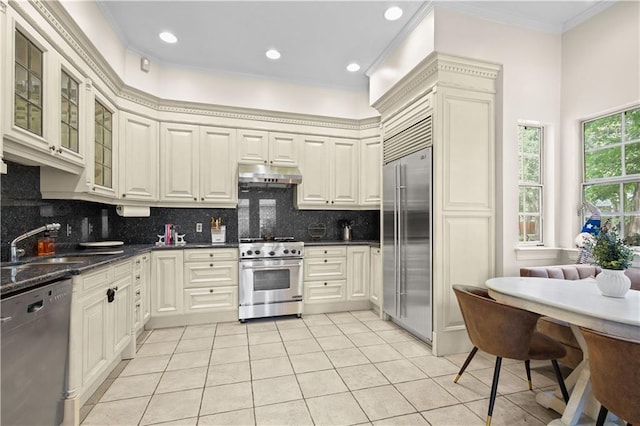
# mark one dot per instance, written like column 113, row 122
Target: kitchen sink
column 59, row 260
column 63, row 260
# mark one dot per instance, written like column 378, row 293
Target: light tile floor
column 330, row 369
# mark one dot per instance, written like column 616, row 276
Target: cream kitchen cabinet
column 330, row 173
column 194, row 286
column 358, row 261
column 273, row 148
column 211, row 280
column 198, row 164
column 32, row 96
column 166, row 282
column 101, row 326
column 370, row 172
column 325, row 274
column 138, row 158
column 142, row 293
column 375, row 291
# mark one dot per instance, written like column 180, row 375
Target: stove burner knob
column 249, row 252
column 286, row 251
column 272, row 253
column 292, row 251
column 257, row 251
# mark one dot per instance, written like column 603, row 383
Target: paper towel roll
column 133, row 211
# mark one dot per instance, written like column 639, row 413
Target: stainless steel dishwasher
column 34, row 354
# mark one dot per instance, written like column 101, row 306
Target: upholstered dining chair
column 615, row 375
column 506, row 332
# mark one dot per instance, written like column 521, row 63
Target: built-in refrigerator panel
column 407, row 290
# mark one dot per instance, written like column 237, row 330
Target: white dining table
column 580, row 304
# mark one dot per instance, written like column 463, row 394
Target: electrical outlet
column 198, row 227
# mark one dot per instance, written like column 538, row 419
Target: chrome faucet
column 17, row 253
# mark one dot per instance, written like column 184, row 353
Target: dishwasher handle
column 35, row 306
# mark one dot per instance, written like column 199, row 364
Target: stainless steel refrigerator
column 407, row 290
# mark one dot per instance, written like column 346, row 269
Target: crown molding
column 422, row 76
column 55, row 15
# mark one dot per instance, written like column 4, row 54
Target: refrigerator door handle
column 401, row 230
column 396, row 242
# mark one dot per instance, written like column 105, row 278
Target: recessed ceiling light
column 353, row 67
column 168, row 37
column 273, row 54
column 393, row 13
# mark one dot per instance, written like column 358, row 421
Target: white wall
column 403, row 58
column 170, row 82
column 600, row 74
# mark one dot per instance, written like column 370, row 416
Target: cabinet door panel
column 370, row 172
column 138, row 158
column 167, row 285
column 253, row 146
column 344, row 163
column 283, row 149
column 179, row 164
column 204, row 255
column 314, row 164
column 122, row 313
column 94, row 336
column 376, row 277
column 218, row 164
column 358, row 273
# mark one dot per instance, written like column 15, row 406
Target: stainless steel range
column 270, row 277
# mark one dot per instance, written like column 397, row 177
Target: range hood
column 262, row 174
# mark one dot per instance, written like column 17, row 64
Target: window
column 530, row 184
column 69, row 113
column 103, row 152
column 28, row 86
column 612, row 169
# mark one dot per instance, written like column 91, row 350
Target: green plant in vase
column 613, row 256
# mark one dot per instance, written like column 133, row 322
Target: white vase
column 613, row 283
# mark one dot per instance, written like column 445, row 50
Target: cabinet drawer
column 122, row 269
column 330, row 268
column 325, row 251
column 207, row 274
column 202, row 255
column 211, row 299
column 324, row 291
column 96, row 279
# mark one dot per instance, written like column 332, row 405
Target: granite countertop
column 17, row 278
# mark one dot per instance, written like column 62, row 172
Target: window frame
column 620, row 214
column 538, row 185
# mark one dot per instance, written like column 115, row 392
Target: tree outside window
column 530, row 184
column 612, row 170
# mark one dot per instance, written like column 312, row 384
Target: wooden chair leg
column 494, row 389
column 602, row 415
column 563, row 387
column 527, row 366
column 466, row 363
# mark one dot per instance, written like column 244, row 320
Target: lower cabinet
column 358, row 261
column 101, row 326
column 325, row 274
column 141, row 291
column 375, row 295
column 194, row 281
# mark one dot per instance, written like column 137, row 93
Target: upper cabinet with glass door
column 104, row 168
column 44, row 102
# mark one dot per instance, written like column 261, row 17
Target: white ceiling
column 317, row 39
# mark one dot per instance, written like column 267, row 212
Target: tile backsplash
column 261, row 211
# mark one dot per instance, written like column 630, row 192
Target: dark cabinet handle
column 325, row 252
column 202, row 199
column 210, row 254
column 111, row 295
column 327, row 201
column 325, row 261
column 265, row 161
column 210, row 290
column 195, row 198
column 59, row 150
column 325, row 283
column 211, row 265
column 331, row 202
column 52, row 148
column 124, row 195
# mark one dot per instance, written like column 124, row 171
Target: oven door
column 270, row 281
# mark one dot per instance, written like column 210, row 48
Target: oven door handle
column 271, row 268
